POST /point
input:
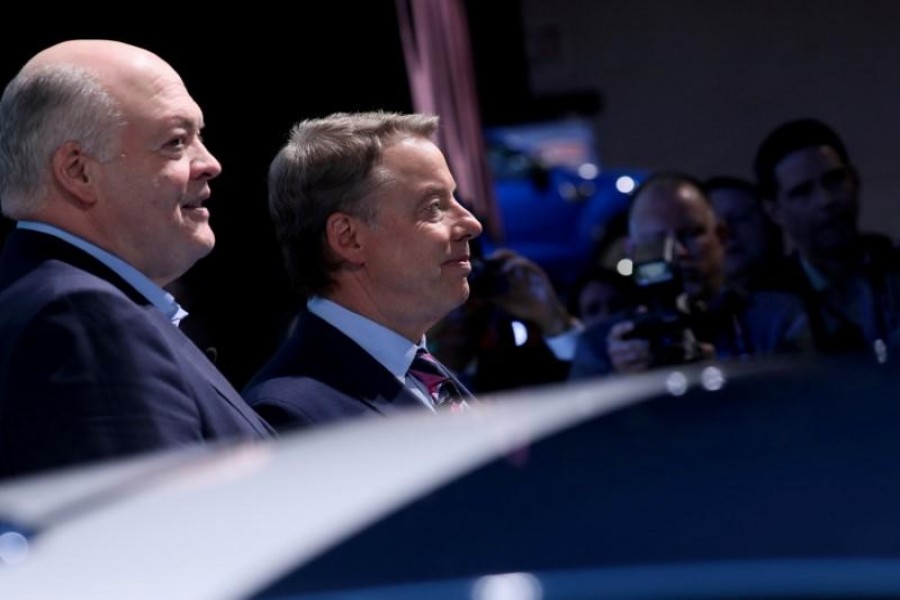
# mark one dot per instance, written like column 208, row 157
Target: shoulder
column 775, row 300
column 882, row 257
column 774, row 311
column 299, row 401
column 291, row 389
column 58, row 317
column 58, row 297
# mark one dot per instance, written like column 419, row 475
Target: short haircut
column 665, row 180
column 787, row 138
column 41, row 109
column 330, row 165
column 730, row 182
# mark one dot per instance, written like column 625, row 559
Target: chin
column 456, row 299
column 205, row 239
column 199, row 248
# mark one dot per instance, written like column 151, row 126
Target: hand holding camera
column 522, row 288
column 660, row 332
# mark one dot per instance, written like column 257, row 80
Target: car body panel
column 777, row 476
column 257, row 509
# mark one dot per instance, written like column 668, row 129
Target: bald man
column 103, row 168
column 702, row 318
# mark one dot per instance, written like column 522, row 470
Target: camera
column 654, row 271
column 665, row 322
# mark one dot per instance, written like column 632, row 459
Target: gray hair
column 41, row 109
column 331, row 165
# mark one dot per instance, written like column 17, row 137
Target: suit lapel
column 356, row 373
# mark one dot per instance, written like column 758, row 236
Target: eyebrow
column 184, row 123
column 435, row 189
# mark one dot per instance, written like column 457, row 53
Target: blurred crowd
column 724, row 267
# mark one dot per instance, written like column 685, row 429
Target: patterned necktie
column 444, row 391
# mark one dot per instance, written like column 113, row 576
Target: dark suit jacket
column 90, row 369
column 833, row 331
column 320, row 375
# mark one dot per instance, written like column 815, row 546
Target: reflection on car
column 723, row 480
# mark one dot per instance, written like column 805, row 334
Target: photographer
column 512, row 332
column 687, row 313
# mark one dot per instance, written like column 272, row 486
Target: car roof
column 145, row 527
column 780, row 467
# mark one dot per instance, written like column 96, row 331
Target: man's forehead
column 807, row 162
column 668, row 206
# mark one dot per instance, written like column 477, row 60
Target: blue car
column 712, row 480
column 555, row 199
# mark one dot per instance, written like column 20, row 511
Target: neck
column 836, row 268
column 394, row 318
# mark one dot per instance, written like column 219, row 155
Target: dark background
column 690, row 85
column 254, row 76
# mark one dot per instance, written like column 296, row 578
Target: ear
column 72, row 171
column 346, row 236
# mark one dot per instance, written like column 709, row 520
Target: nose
column 466, row 224
column 828, row 197
column 204, row 165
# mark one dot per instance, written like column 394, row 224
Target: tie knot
column 426, row 368
column 425, row 361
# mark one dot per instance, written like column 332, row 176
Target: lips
column 195, row 204
column 461, row 262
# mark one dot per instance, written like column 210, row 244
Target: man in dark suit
column 849, row 280
column 103, row 168
column 378, row 247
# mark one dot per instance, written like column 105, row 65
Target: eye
column 691, row 233
column 432, row 209
column 177, row 142
column 801, row 191
column 835, row 179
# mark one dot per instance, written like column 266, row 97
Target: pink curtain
column 435, row 37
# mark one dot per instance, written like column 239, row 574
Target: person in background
column 377, row 246
column 599, row 293
column 514, row 331
column 104, row 170
column 754, row 249
column 686, row 313
column 849, row 280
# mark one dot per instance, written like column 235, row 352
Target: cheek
column 804, row 221
column 712, row 252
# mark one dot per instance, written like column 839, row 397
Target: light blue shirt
column 389, row 348
column 156, row 295
column 818, row 280
column 563, row 345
